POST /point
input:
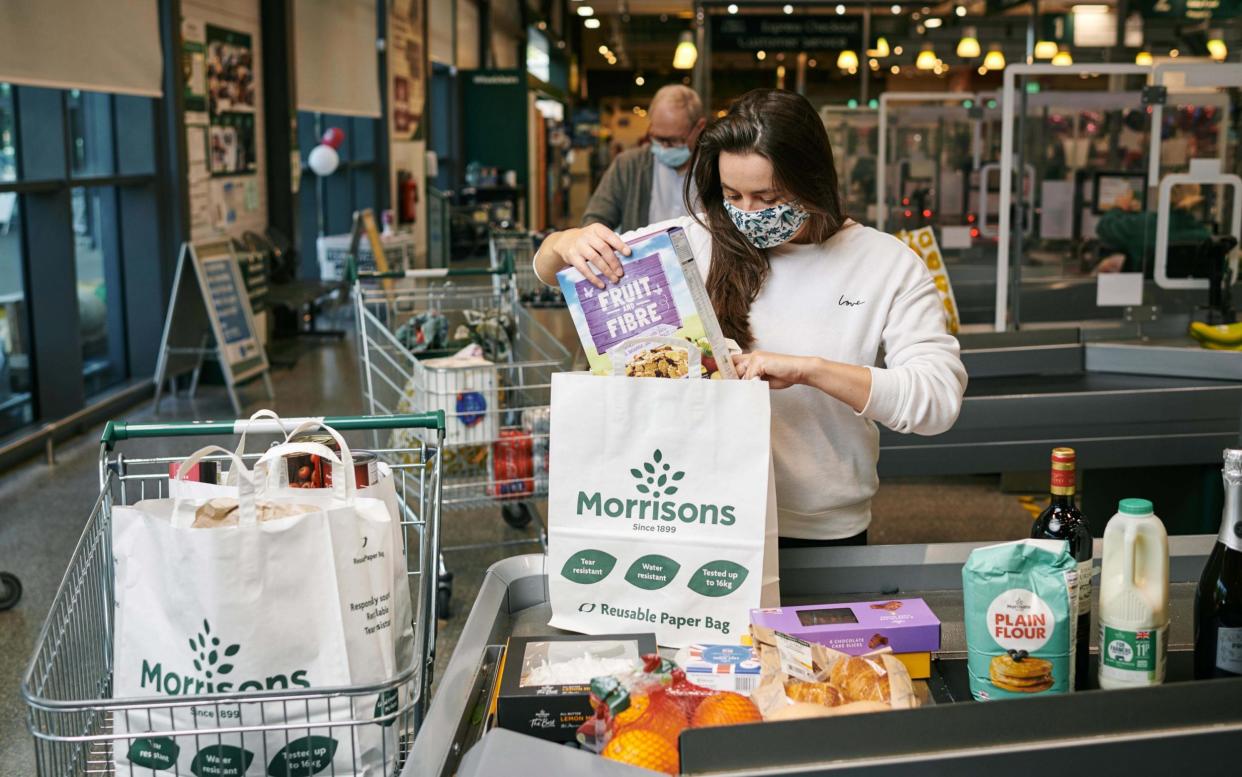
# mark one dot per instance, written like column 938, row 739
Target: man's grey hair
column 680, row 97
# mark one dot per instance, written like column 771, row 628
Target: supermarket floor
column 43, row 509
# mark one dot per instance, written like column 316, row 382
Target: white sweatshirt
column 861, row 298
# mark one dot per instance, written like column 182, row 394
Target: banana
column 1219, row 347
column 1220, row 334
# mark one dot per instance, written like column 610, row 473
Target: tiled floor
column 43, row 509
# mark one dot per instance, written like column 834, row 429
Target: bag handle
column 230, row 479
column 247, row 515
column 311, row 424
column 342, row 487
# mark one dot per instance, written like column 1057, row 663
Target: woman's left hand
column 778, row 369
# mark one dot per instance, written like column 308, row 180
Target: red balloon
column 334, row 136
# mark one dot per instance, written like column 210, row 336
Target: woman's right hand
column 593, row 248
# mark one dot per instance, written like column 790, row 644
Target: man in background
column 644, row 185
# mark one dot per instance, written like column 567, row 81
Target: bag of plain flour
column 281, row 606
column 1021, row 611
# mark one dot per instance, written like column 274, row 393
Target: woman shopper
column 844, row 320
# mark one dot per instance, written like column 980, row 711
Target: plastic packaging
column 1134, row 598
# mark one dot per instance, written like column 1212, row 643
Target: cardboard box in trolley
column 657, row 321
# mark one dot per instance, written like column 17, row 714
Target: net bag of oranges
column 640, row 715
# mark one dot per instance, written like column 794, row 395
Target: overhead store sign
column 785, row 33
column 1191, row 9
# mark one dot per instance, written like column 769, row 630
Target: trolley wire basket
column 412, row 327
column 79, row 729
column 516, row 249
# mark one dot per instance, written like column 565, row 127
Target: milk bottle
column 1134, row 598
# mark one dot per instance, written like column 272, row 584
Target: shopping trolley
column 68, row 683
column 496, row 407
column 517, row 249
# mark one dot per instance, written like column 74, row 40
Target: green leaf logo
column 718, row 578
column 656, row 477
column 221, row 761
column 206, row 649
column 652, row 573
column 303, row 757
column 154, row 752
column 588, row 566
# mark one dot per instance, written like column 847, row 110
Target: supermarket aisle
column 42, row 510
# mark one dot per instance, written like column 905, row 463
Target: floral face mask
column 769, row 227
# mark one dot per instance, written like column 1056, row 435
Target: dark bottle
column 1062, row 520
column 1218, row 600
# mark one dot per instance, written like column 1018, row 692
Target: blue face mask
column 769, row 227
column 673, row 156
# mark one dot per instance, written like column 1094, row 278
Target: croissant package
column 800, row 679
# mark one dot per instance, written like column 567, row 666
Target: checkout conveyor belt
column 1168, row 728
column 1118, row 403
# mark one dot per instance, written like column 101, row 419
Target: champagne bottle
column 1218, row 600
column 1062, row 520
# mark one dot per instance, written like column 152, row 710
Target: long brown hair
column 783, row 128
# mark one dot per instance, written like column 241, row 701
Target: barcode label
column 745, row 682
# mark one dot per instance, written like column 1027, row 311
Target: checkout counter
column 1166, row 728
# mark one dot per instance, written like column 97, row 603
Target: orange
column 655, row 713
column 647, row 749
column 725, row 708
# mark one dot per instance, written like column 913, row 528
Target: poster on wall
column 194, row 70
column 405, row 34
column 231, row 102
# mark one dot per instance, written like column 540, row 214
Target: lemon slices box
column 657, row 321
column 544, row 687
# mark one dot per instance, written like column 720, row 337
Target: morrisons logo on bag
column 656, row 481
column 212, row 673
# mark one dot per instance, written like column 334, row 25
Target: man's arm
column 607, row 203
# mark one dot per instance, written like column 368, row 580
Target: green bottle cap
column 1134, row 507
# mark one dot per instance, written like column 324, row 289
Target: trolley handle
column 115, row 431
column 504, row 268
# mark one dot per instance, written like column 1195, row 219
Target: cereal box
column 657, row 321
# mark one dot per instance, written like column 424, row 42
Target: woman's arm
column 845, row 382
column 590, row 249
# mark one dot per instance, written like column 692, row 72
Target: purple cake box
column 904, row 625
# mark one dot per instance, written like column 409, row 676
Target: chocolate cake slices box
column 906, row 626
column 544, row 686
column 657, row 321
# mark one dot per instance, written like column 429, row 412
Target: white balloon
column 323, row 160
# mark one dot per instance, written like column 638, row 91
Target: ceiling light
column 788, row 9
column 897, row 50
column 847, row 59
column 686, row 54
column 603, row 50
column 1216, row 47
column 926, row 59
column 591, row 24
column 960, row 10
column 1045, row 49
column 812, row 63
column 895, row 70
column 1174, row 53
column 761, row 55
column 983, row 70
column 840, row 10
column 586, row 10
column 874, row 64
column 881, row 48
column 639, row 80
column 732, row 8
column 995, row 60
column 968, row 46
column 1063, row 58
column 1144, row 58
column 934, row 23
column 896, row 9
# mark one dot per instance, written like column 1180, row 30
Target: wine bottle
column 1218, row 599
column 1062, row 520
